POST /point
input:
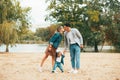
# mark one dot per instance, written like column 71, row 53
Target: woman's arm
column 53, row 38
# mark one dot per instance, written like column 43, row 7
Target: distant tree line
column 46, row 33
column 40, row 35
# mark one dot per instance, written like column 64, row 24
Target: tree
column 78, row 14
column 65, row 11
column 13, row 18
column 46, row 33
column 109, row 9
column 92, row 12
column 88, row 16
column 9, row 34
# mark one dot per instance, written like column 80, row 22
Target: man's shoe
column 71, row 71
column 75, row 71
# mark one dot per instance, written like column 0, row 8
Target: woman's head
column 60, row 29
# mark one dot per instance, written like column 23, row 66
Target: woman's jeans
column 75, row 55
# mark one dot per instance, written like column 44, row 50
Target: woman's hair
column 59, row 28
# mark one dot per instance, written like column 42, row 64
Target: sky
column 38, row 12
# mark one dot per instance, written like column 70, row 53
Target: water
column 26, row 48
column 38, row 48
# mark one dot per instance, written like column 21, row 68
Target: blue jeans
column 59, row 65
column 75, row 56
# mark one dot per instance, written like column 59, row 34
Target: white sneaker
column 40, row 69
column 71, row 71
column 75, row 71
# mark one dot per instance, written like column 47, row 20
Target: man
column 74, row 41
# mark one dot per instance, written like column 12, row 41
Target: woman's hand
column 50, row 47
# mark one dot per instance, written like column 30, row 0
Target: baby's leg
column 60, row 67
column 54, row 67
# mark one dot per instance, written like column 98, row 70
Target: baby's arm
column 64, row 52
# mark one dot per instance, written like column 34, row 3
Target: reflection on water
column 25, row 48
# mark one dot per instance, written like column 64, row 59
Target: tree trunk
column 96, row 47
column 103, row 42
column 7, row 48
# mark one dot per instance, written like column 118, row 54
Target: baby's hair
column 57, row 53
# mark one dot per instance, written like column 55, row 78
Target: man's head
column 67, row 27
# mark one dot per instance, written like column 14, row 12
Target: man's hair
column 67, row 24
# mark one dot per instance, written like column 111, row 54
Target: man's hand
column 81, row 46
column 64, row 51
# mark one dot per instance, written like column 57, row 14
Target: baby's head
column 59, row 53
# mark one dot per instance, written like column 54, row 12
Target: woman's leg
column 53, row 54
column 43, row 60
column 53, row 61
column 45, row 56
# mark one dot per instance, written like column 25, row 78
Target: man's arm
column 80, row 37
column 65, row 42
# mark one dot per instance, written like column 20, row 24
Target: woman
column 53, row 45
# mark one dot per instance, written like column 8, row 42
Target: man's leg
column 77, row 56
column 72, row 55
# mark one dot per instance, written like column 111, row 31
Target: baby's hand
column 64, row 51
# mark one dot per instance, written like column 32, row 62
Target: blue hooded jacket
column 55, row 40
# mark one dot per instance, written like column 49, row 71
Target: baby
column 59, row 61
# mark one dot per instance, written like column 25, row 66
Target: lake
column 26, row 48
column 41, row 48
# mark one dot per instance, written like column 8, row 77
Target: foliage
column 14, row 21
column 9, row 34
column 88, row 16
column 65, row 11
column 112, row 15
column 45, row 33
